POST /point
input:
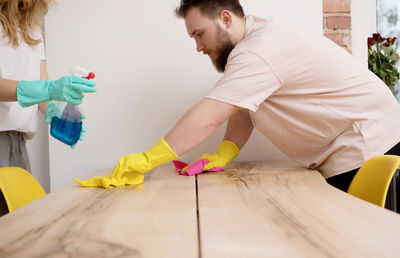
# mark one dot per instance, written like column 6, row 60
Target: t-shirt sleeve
column 247, row 81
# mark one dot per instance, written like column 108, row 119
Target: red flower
column 370, row 41
column 377, row 37
column 393, row 40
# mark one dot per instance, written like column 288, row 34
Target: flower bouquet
column 382, row 59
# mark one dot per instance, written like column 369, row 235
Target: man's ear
column 225, row 18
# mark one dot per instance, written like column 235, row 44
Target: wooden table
column 253, row 209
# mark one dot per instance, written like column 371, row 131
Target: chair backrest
column 372, row 180
column 19, row 187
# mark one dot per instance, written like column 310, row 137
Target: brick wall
column 337, row 21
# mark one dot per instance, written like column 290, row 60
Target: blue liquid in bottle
column 68, row 128
column 66, row 131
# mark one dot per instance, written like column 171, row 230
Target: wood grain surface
column 253, row 209
column 278, row 209
column 156, row 219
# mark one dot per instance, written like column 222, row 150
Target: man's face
column 210, row 37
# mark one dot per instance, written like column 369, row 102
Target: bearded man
column 309, row 96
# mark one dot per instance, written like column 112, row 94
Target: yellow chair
column 372, row 180
column 19, row 187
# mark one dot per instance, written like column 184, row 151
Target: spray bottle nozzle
column 81, row 72
column 90, row 76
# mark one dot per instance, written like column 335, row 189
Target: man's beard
column 223, row 50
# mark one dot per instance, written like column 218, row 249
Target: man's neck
column 239, row 31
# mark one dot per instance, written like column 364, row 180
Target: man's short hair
column 211, row 8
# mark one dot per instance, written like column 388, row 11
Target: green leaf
column 395, row 57
column 386, row 51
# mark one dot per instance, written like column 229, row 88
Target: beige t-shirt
column 310, row 97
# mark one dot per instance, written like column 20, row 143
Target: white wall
column 148, row 75
column 38, row 151
column 363, row 19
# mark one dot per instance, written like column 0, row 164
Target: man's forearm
column 239, row 128
column 197, row 124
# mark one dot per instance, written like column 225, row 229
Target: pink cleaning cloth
column 195, row 168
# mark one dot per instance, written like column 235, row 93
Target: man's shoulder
column 260, row 33
column 253, row 19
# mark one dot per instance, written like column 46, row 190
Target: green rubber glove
column 57, row 109
column 68, row 89
column 130, row 167
column 226, row 152
column 53, row 109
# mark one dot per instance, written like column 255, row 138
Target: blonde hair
column 21, row 18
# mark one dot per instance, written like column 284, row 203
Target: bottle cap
column 81, row 72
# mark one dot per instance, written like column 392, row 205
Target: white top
column 310, row 97
column 21, row 63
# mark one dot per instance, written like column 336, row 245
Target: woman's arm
column 43, row 76
column 8, row 90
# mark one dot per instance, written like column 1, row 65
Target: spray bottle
column 66, row 123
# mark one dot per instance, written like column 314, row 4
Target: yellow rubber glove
column 110, row 182
column 130, row 167
column 226, row 152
